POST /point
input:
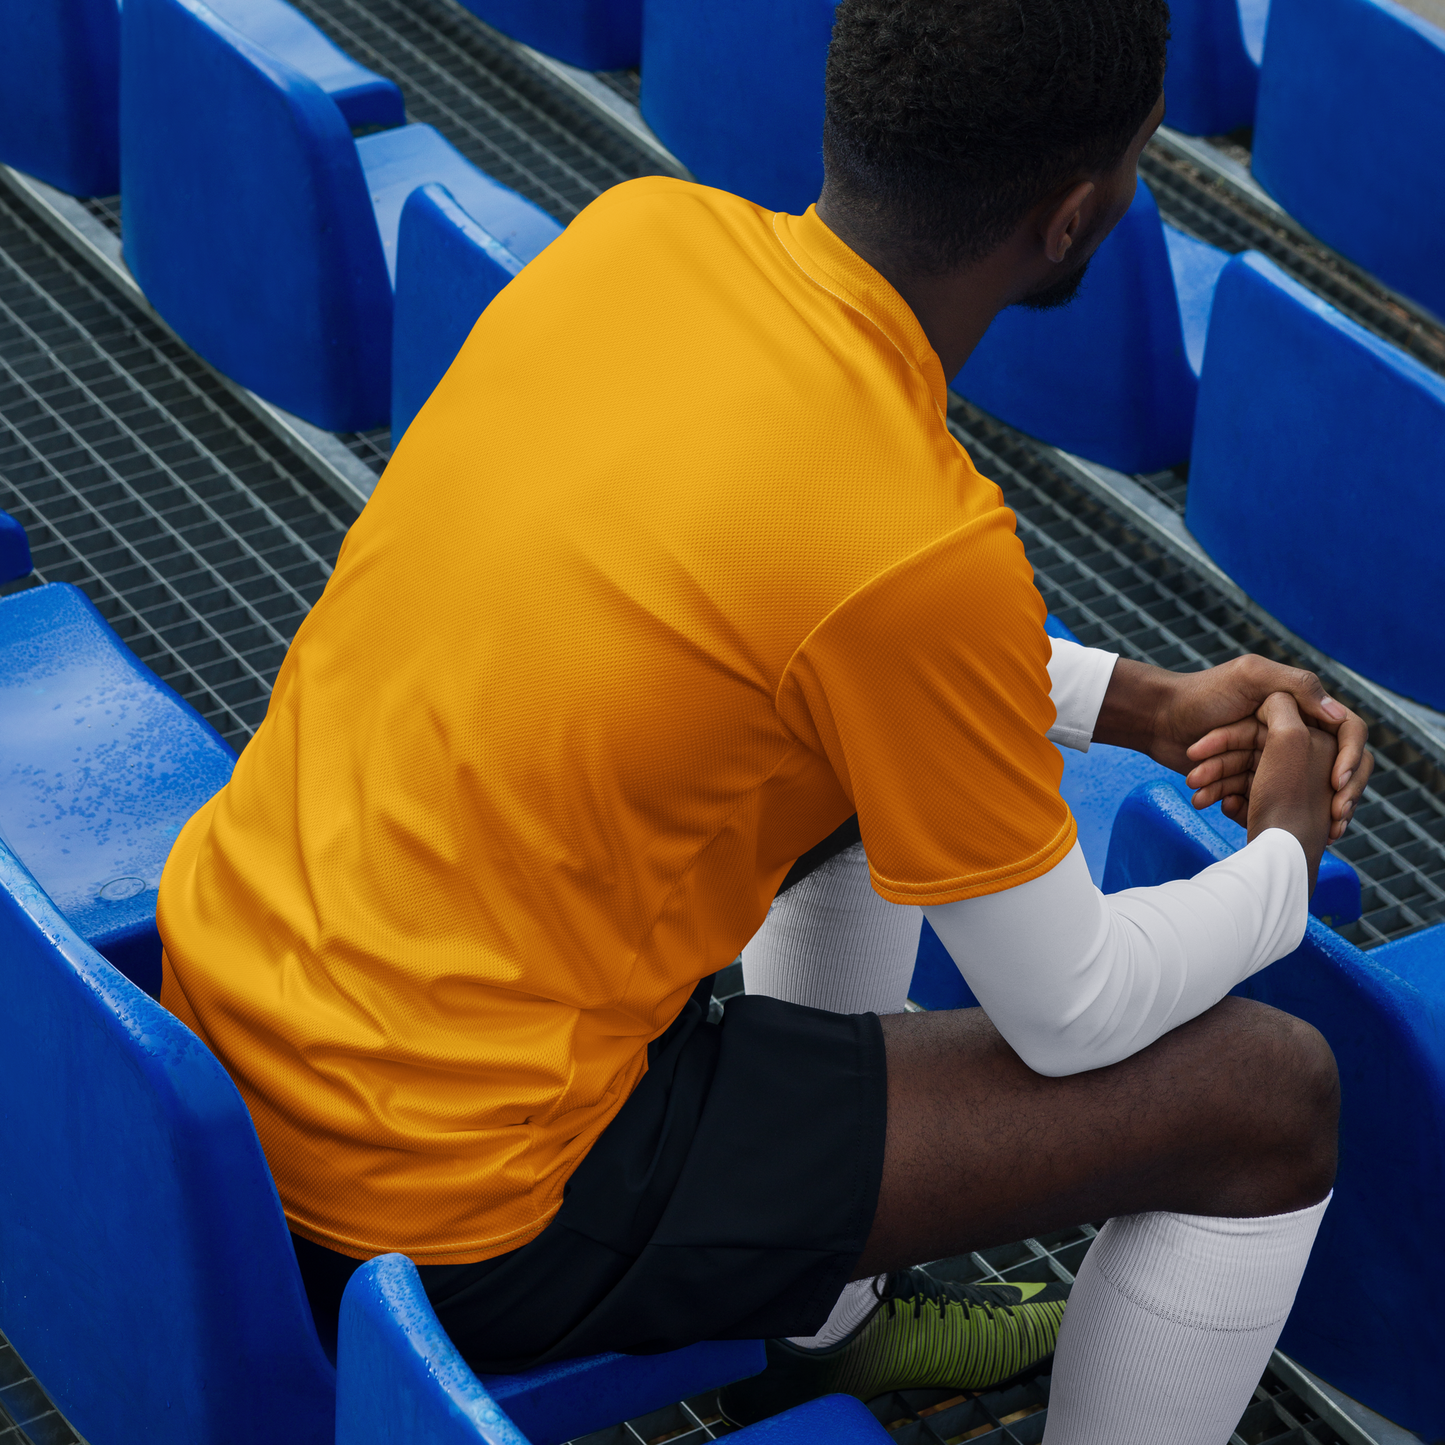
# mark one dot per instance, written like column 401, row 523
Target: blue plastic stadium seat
column 1215, row 50
column 257, row 226
column 594, row 34
column 364, row 98
column 146, row 1273
column 1349, row 130
column 1314, row 480
column 59, row 81
column 1358, row 1321
column 1114, row 375
column 400, row 1379
column 14, row 550
column 1094, row 785
column 100, row 765
column 735, row 91
column 448, row 269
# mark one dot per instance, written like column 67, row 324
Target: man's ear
column 1065, row 223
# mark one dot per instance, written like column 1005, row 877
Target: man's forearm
column 1076, row 980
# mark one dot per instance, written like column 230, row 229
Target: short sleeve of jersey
column 928, row 691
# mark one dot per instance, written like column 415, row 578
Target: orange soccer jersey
column 677, row 569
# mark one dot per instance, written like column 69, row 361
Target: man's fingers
column 1278, row 712
column 1237, row 808
column 1232, row 737
column 1309, row 695
column 1352, row 738
column 1236, row 785
column 1239, row 760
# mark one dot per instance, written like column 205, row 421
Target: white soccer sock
column 855, row 1304
column 1171, row 1324
column 832, row 943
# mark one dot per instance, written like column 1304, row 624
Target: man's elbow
column 1056, row 1054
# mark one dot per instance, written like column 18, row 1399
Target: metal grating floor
column 201, row 539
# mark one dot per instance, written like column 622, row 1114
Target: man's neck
column 954, row 309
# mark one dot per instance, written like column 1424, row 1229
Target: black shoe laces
column 917, row 1287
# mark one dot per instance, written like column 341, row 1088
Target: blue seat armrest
column 1196, row 266
column 396, row 162
column 365, row 98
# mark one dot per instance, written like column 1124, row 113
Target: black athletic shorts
column 730, row 1198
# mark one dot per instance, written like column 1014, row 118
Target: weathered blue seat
column 59, row 78
column 736, row 93
column 400, row 1379
column 1212, row 75
column 1114, row 375
column 593, row 34
column 448, row 269
column 1314, row 480
column 1349, row 130
column 100, row 765
column 257, row 226
column 1094, row 785
column 1383, row 1014
column 146, row 1273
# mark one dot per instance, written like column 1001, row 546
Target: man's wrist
column 1135, row 705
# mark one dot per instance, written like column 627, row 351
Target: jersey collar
column 838, row 269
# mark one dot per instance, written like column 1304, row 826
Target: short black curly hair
column 947, row 119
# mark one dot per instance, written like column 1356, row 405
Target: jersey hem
column 450, row 1254
column 995, row 880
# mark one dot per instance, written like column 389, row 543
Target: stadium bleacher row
column 291, row 227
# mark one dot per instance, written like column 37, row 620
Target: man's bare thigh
column 1231, row 1114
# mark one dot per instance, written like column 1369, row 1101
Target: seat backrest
column 362, row 96
column 1107, row 376
column 247, row 218
column 448, row 269
column 1383, row 1014
column 735, row 91
column 594, row 34
column 100, row 766
column 146, row 1273
column 14, row 550
column 59, row 86
column 1328, row 441
column 1349, row 130
column 1212, row 72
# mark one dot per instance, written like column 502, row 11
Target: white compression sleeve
column 1170, row 1325
column 831, row 942
column 1076, row 979
column 1078, row 679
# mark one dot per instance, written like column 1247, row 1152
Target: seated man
column 679, row 570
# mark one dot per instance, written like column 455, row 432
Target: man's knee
column 1287, row 1089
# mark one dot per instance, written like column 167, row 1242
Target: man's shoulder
column 662, row 205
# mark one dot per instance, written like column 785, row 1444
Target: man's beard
column 1059, row 294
